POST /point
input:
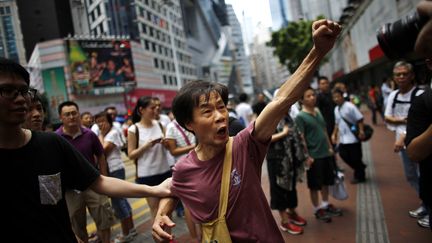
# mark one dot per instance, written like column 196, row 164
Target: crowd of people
column 196, row 159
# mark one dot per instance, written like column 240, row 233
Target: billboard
column 100, row 66
column 166, row 96
column 55, row 89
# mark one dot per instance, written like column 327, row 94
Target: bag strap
column 412, row 97
column 182, row 133
column 137, row 144
column 343, row 118
column 223, row 197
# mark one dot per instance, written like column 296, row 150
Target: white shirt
column 116, row 125
column 244, row 111
column 352, row 114
column 173, row 132
column 400, row 110
column 114, row 159
column 164, row 120
column 154, row 160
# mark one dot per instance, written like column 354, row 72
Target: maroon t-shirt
column 197, row 183
column 87, row 143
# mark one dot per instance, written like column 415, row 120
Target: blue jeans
column 411, row 170
column 121, row 206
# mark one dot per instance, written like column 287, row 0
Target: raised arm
column 324, row 34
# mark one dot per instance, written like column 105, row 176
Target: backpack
column 413, row 94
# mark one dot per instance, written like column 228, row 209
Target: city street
column 376, row 211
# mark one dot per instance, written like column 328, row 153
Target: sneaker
column 333, row 211
column 296, row 219
column 120, row 238
column 322, row 214
column 133, row 232
column 291, row 228
column 424, row 222
column 418, row 213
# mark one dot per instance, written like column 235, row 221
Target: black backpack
column 413, row 95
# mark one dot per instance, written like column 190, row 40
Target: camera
column 398, row 39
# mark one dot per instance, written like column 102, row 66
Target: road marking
column 371, row 225
column 135, row 205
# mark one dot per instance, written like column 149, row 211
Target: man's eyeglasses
column 12, row 92
column 400, row 75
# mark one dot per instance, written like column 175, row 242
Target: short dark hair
column 308, row 88
column 243, row 97
column 337, row 91
column 104, row 114
column 110, row 108
column 38, row 98
column 86, row 113
column 323, row 77
column 189, row 95
column 12, row 69
column 66, row 103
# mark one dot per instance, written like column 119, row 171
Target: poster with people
column 100, row 66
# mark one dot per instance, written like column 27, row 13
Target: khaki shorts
column 98, row 205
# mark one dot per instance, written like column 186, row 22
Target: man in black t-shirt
column 259, row 105
column 419, row 132
column 46, row 166
column 326, row 104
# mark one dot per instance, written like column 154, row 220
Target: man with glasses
column 86, row 142
column 396, row 113
column 47, row 166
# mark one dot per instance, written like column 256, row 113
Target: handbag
column 216, row 231
column 338, row 190
column 354, row 128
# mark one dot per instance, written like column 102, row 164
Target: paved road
column 375, row 212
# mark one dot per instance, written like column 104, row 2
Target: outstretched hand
column 164, row 189
column 324, row 34
column 161, row 225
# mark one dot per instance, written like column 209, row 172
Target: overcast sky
column 257, row 10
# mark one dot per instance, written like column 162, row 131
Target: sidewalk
column 376, row 211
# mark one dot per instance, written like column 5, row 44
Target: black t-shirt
column 326, row 105
column 419, row 119
column 258, row 107
column 235, row 126
column 42, row 171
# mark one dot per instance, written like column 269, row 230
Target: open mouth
column 221, row 131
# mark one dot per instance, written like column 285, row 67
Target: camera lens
column 398, row 39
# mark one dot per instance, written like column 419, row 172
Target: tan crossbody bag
column 216, row 231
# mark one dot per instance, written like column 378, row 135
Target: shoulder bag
column 354, row 128
column 217, row 230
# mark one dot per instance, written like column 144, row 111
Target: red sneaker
column 297, row 220
column 291, row 228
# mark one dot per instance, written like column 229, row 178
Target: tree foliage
column 293, row 43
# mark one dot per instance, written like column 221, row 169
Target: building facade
column 157, row 25
column 11, row 38
column 44, row 20
column 279, row 10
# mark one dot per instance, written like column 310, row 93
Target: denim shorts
column 121, row 206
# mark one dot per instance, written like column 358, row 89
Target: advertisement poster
column 55, row 89
column 100, row 66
